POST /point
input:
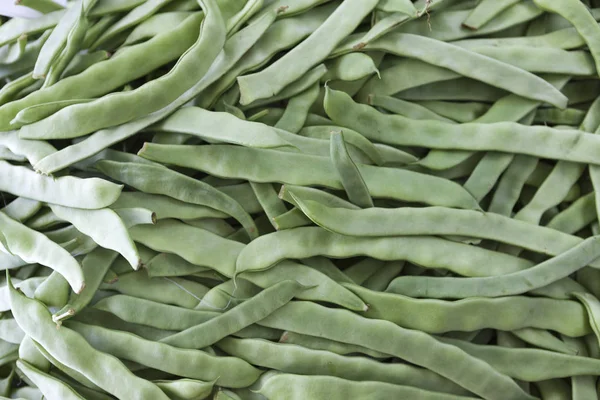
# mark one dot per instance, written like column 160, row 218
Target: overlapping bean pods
column 300, row 199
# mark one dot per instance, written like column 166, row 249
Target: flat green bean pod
column 186, row 388
column 310, row 52
column 159, row 180
column 105, row 227
column 413, row 346
column 50, row 386
column 90, row 193
column 301, row 360
column 427, row 251
column 471, row 314
column 297, row 387
column 239, row 317
column 195, row 364
column 519, row 282
column 263, row 165
column 195, row 245
column 529, row 364
column 34, row 247
column 508, row 137
column 408, row 221
column 33, row 317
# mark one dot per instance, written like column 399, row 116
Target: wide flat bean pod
column 427, row 251
column 233, row 50
column 95, row 266
column 159, row 180
column 505, row 76
column 428, row 221
column 297, row 387
column 49, row 386
column 36, row 321
column 195, row 364
column 262, row 165
column 519, row 282
column 90, row 193
column 34, row 247
column 413, row 346
column 319, row 286
column 296, row 359
column 471, row 314
column 239, row 317
column 152, row 313
column 310, row 52
column 529, row 364
column 508, row 137
column 186, row 388
column 105, row 227
column 195, row 245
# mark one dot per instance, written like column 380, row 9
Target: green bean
column 592, row 305
column 195, row 364
column 425, row 221
column 449, row 22
column 382, row 278
column 511, row 183
column 566, row 39
column 296, row 112
column 348, row 173
column 50, row 386
column 447, row 91
column 350, row 67
column 515, row 283
column 577, row 216
column 159, row 180
column 485, row 12
column 402, row 75
column 391, row 339
column 177, row 291
column 408, row 45
column 264, row 166
column 184, row 241
column 405, row 108
column 95, row 266
column 138, row 14
column 363, row 269
column 186, row 73
column 507, row 137
column 54, row 291
column 544, row 340
column 36, row 321
column 439, row 316
column 34, row 247
column 150, row 313
column 319, row 343
column 319, row 286
column 12, row 30
column 184, row 389
column 486, row 174
column 234, row 48
column 21, row 209
column 296, row 359
column 305, row 55
column 154, row 25
column 83, row 85
column 105, row 227
column 582, row 20
column 239, row 317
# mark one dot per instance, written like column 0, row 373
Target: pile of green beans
column 300, row 200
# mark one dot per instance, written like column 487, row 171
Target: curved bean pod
column 48, row 385
column 262, row 165
column 159, row 180
column 304, row 56
column 427, row 251
column 527, row 364
column 519, row 282
column 34, row 247
column 105, row 227
column 33, row 317
column 507, row 137
column 186, row 389
column 294, row 359
column 91, row 193
column 407, row 221
column 239, row 317
column 413, row 346
column 195, row 245
column 503, row 313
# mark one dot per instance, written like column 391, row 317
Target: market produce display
column 300, row 199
